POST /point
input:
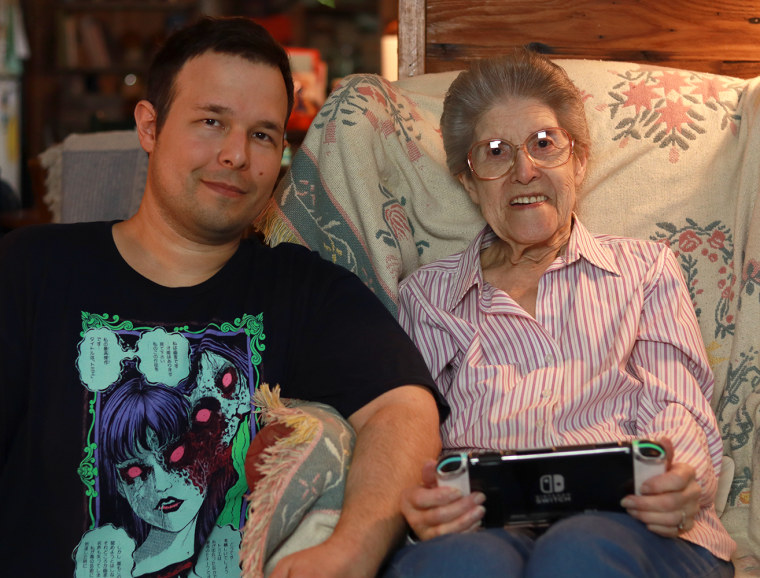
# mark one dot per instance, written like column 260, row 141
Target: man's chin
column 222, row 232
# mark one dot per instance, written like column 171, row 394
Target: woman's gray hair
column 488, row 82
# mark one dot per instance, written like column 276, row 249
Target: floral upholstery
column 676, row 160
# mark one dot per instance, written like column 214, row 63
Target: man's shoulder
column 52, row 238
column 55, row 232
column 296, row 259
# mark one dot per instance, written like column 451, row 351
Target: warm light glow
column 389, row 56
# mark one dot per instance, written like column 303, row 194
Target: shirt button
column 540, row 423
column 546, row 393
column 549, row 359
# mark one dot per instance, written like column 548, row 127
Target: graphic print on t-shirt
column 170, row 424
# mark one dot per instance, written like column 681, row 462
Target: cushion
column 296, row 469
column 95, row 177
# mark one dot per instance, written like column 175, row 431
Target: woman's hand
column 670, row 501
column 432, row 511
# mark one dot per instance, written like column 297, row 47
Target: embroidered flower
column 717, row 239
column 751, row 272
column 688, row 241
column 395, row 217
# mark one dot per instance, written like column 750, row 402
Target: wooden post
column 411, row 38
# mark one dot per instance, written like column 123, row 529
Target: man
column 129, row 350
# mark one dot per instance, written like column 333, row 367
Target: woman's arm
column 669, row 358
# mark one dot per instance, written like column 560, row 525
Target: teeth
column 528, row 200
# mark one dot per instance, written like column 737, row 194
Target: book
column 94, row 46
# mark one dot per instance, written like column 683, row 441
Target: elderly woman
column 541, row 334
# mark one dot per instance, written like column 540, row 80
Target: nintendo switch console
column 538, row 487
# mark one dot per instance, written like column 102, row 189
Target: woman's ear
column 145, row 119
column 581, row 161
column 468, row 182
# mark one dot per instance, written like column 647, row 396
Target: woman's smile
column 169, row 505
column 528, row 200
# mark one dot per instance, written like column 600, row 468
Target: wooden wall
column 719, row 36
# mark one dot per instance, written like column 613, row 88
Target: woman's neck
column 506, row 253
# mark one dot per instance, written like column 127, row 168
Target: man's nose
column 234, row 151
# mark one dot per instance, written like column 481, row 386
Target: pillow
column 296, row 468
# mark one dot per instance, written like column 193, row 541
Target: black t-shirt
column 125, row 405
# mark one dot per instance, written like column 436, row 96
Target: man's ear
column 145, row 119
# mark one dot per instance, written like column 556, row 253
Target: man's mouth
column 529, row 200
column 224, row 188
column 169, row 505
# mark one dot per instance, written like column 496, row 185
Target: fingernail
column 479, row 498
column 454, row 493
column 626, row 503
column 478, row 513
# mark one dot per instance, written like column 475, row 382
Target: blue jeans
column 593, row 545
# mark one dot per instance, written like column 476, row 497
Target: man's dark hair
column 235, row 36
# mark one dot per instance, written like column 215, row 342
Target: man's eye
column 211, row 122
column 262, row 136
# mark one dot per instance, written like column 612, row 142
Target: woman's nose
column 162, row 479
column 523, row 170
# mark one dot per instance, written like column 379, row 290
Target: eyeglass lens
column 547, row 148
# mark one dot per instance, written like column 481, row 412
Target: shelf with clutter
column 102, row 51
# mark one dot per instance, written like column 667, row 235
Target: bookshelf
column 89, row 60
column 103, row 48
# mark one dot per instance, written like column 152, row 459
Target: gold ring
column 683, row 521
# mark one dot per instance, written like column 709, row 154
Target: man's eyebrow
column 271, row 125
column 216, row 108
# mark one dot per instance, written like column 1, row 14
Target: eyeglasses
column 547, row 148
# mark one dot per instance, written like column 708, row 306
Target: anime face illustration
column 157, row 486
column 165, row 457
column 218, row 377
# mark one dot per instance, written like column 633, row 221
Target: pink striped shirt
column 613, row 353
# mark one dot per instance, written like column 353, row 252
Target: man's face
column 216, row 160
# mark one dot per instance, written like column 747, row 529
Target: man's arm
column 396, row 433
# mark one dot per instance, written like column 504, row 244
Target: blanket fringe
column 276, row 230
column 277, row 464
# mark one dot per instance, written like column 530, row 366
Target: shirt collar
column 469, row 272
column 584, row 244
column 581, row 244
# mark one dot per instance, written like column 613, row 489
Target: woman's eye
column 130, row 474
column 497, row 151
column 544, row 145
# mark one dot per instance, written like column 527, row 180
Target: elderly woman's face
column 530, row 205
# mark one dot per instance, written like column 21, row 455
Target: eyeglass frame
column 517, row 150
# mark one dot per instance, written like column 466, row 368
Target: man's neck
column 166, row 257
